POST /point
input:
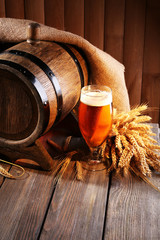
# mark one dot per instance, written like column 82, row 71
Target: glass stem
column 94, row 154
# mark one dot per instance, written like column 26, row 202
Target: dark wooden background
column 129, row 30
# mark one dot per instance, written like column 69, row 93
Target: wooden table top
column 101, row 207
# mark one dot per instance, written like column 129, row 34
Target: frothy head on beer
column 96, row 97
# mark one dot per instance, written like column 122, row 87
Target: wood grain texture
column 34, row 10
column 78, row 208
column 17, row 107
column 74, row 16
column 151, row 76
column 2, row 8
column 36, row 208
column 133, row 48
column 114, row 28
column 25, row 108
column 23, row 204
column 14, row 9
column 94, row 22
column 29, row 156
column 54, row 13
column 133, row 207
column 126, row 29
column 151, row 96
column 133, row 210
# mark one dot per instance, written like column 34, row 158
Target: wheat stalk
column 62, row 166
column 79, row 171
column 130, row 146
column 6, row 174
column 132, row 142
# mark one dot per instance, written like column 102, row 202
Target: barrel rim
column 39, row 126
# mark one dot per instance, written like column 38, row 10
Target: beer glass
column 95, row 120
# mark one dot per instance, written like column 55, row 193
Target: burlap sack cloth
column 104, row 69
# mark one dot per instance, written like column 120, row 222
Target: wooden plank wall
column 129, row 30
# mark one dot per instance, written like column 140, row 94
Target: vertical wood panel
column 74, row 16
column 54, row 13
column 151, row 76
column 114, row 28
column 2, row 8
column 94, row 22
column 118, row 27
column 133, row 48
column 15, row 9
column 34, row 10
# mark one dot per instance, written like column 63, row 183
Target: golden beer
column 95, row 115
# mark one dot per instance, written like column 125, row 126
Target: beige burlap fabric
column 104, row 69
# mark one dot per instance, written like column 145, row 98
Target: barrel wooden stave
column 68, row 76
column 63, row 67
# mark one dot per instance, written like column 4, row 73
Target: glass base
column 93, row 160
column 93, row 165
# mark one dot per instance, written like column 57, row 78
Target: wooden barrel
column 40, row 84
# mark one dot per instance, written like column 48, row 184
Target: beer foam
column 96, row 98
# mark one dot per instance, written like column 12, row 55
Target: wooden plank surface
column 54, row 13
column 74, row 16
column 31, row 11
column 151, row 70
column 77, row 210
column 36, row 208
column 114, row 28
column 94, row 22
column 133, row 48
column 23, row 205
column 133, row 208
column 14, row 9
